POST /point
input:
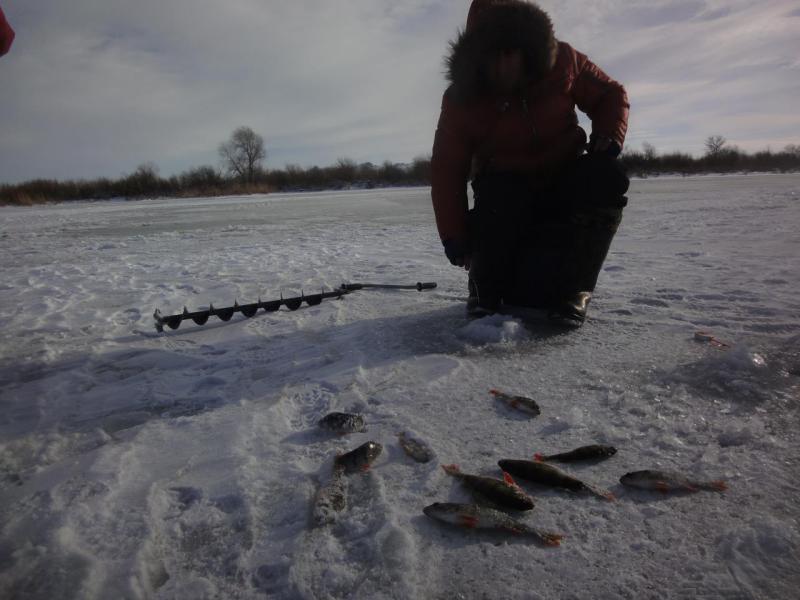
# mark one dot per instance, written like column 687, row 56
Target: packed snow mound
column 493, row 329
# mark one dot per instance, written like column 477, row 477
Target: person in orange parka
column 6, row 34
column 547, row 204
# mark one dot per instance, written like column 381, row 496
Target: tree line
column 145, row 182
column 719, row 157
column 241, row 171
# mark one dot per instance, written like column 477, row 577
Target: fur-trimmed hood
column 493, row 26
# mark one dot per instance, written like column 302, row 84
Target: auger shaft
column 420, row 287
column 200, row 317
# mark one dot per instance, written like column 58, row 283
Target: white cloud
column 95, row 87
column 688, row 74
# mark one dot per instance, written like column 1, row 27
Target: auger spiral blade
column 223, row 314
column 201, row 317
column 198, row 318
column 314, row 300
column 271, row 306
column 293, row 304
column 249, row 310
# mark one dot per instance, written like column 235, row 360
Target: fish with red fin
column 504, row 493
column 472, row 516
column 548, row 475
column 360, row 459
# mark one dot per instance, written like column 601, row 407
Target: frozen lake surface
column 184, row 465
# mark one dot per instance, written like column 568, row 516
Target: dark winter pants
column 537, row 248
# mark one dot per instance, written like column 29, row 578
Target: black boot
column 571, row 311
column 493, row 231
column 595, row 189
column 593, row 229
column 480, row 306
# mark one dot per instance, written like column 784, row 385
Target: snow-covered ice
column 184, row 465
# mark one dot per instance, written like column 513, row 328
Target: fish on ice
column 709, row 338
column 415, row 448
column 360, row 459
column 669, row 481
column 593, row 452
column 331, row 499
column 343, row 423
column 503, row 493
column 548, row 475
column 520, row 403
column 472, row 516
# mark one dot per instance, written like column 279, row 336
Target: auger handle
column 352, row 287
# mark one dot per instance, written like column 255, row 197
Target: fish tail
column 539, row 457
column 451, row 469
column 550, row 539
column 601, row 493
column 718, row 486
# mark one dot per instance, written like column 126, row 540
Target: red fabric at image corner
column 6, row 34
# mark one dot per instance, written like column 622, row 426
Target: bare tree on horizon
column 243, row 154
column 714, row 144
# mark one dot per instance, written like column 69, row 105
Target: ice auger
column 200, row 317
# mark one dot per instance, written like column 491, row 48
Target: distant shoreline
column 677, row 175
column 247, row 191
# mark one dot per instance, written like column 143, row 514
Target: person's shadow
column 179, row 373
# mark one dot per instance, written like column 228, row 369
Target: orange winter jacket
column 6, row 34
column 534, row 131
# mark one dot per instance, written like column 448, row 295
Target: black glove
column 456, row 251
column 603, row 145
column 599, row 179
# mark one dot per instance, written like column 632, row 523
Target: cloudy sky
column 97, row 87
